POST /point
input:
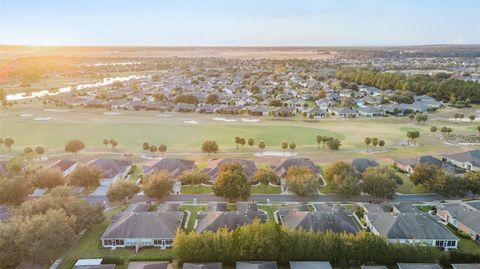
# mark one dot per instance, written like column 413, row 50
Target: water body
column 103, row 82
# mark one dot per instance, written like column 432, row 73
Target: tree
column 162, row 148
column 368, row 141
column 47, row 178
column 292, row 146
column 251, row 142
column 242, row 141
column 478, row 129
column 411, row 116
column 194, row 177
column 421, row 118
column 74, row 146
column 105, row 143
column 381, row 143
column 86, row 176
column 261, row 146
column 8, row 143
column 237, row 141
column 325, row 140
column 28, row 151
column 444, row 130
column 39, row 150
column 153, row 149
column 412, row 135
column 284, row 146
column 158, row 185
column 121, row 190
column 145, row 147
column 374, row 142
column 210, row 147
column 114, row 144
column 380, row 182
column 266, row 176
column 430, row 176
column 473, row 182
column 231, row 182
column 344, row 179
column 318, row 139
column 302, row 181
column 433, row 129
column 333, row 143
column 472, row 118
column 14, row 190
column 212, row 99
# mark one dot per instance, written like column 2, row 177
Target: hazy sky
column 239, row 23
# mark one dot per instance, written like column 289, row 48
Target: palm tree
column 153, row 149
column 381, row 143
column 114, row 144
column 242, row 141
column 237, row 141
column 261, row 145
column 292, row 146
column 325, row 140
column 318, row 139
column 368, row 141
column 251, row 142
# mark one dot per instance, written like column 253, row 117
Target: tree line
column 447, row 89
column 272, row 242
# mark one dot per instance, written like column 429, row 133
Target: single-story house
column 285, row 111
column 469, row 160
column 148, row 265
column 212, row 220
column 371, row 111
column 249, row 167
column 345, row 112
column 310, row 265
column 208, row 265
column 184, row 107
column 466, row 266
column 418, row 266
column 256, row 265
column 173, row 166
column 327, row 218
column 317, row 113
column 411, row 228
column 282, row 169
column 259, row 110
column 65, row 166
column 137, row 227
column 113, row 169
column 361, row 164
column 462, row 217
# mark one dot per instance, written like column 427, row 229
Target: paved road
column 271, row 197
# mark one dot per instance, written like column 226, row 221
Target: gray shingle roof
column 282, row 168
column 472, row 156
column 248, row 166
column 409, row 226
column 213, row 220
column 310, row 265
column 144, row 225
column 147, row 265
column 112, row 167
column 373, row 267
column 418, row 266
column 212, row 265
column 466, row 266
column 361, row 164
column 256, row 265
column 172, row 165
column 467, row 216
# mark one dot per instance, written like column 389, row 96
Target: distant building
column 469, row 160
column 173, row 166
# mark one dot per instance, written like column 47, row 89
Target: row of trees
column 55, row 217
column 7, row 143
column 379, row 182
column 271, row 242
column 331, row 142
column 374, row 141
column 434, row 179
column 112, row 142
column 451, row 89
column 162, row 148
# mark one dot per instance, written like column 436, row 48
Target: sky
column 239, row 23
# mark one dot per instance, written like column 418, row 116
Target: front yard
column 265, row 189
column 201, row 189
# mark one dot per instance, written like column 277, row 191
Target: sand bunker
column 164, row 115
column 42, row 118
column 249, row 120
column 25, row 115
column 112, row 113
column 277, row 153
column 57, row 110
column 224, row 119
column 191, row 121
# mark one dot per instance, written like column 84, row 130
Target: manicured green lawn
column 197, row 189
column 194, row 209
column 89, row 246
column 270, row 209
column 408, row 187
column 465, row 244
column 265, row 189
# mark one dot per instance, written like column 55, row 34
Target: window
column 107, row 242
